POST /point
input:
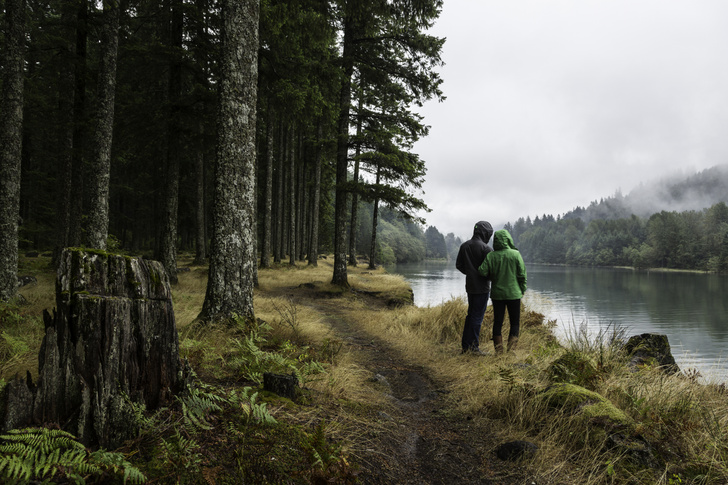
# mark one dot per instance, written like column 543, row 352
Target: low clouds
column 555, row 104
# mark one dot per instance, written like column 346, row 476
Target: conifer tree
column 97, row 229
column 232, row 257
column 385, row 44
column 11, row 124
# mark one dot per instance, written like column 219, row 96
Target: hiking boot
column 512, row 344
column 498, row 344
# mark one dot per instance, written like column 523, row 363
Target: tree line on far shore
column 632, row 231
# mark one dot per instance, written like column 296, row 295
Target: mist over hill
column 676, row 192
column 675, row 222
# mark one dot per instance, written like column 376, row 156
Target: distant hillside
column 679, row 223
column 675, row 193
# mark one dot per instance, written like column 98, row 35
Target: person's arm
column 521, row 274
column 483, row 268
column 460, row 261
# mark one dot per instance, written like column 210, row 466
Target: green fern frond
column 198, row 403
column 42, row 454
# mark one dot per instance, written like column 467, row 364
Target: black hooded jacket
column 471, row 255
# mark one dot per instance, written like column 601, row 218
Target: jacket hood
column 483, row 231
column 503, row 240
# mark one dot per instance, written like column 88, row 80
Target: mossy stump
column 111, row 342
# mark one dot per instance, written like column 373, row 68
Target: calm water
column 691, row 309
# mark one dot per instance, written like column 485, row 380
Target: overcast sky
column 555, row 103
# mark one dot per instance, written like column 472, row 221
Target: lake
column 690, row 308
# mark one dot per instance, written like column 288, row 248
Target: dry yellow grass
column 685, row 421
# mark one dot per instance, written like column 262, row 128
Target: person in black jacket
column 470, row 257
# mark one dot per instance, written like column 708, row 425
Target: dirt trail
column 419, row 441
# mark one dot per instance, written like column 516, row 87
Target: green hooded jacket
column 505, row 268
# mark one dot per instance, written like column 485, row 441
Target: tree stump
column 111, row 342
column 281, row 384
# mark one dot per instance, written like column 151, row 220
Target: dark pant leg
column 473, row 321
column 514, row 316
column 499, row 314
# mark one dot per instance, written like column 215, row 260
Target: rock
column 593, row 411
column 516, row 450
column 183, row 270
column 636, row 449
column 651, row 349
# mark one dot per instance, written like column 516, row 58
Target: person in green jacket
column 507, row 272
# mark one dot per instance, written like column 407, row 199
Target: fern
column 182, row 452
column 198, row 404
column 251, row 409
column 42, row 454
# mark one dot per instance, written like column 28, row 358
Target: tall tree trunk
column 200, row 239
column 340, row 277
column 278, row 250
column 302, row 202
column 97, row 229
column 168, row 246
column 375, row 220
column 79, row 127
column 66, row 93
column 315, row 201
column 292, row 196
column 353, row 226
column 265, row 246
column 11, row 127
column 232, row 257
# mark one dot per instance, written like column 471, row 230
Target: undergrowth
column 594, row 418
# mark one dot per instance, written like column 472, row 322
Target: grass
column 631, row 427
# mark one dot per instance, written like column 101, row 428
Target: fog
column 551, row 105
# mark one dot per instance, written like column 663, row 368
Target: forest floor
column 417, row 437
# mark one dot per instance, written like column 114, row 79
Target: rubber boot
column 512, row 343
column 498, row 344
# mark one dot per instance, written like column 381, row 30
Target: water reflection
column 691, row 309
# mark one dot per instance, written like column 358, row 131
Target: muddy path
column 417, row 438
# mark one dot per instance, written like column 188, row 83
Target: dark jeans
column 514, row 315
column 473, row 321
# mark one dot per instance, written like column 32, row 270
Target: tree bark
column 278, row 250
column 292, row 240
column 302, row 202
column 79, row 114
column 265, row 246
column 11, row 125
column 232, row 257
column 111, row 341
column 340, row 277
column 200, row 239
column 66, row 93
column 168, row 246
column 97, row 229
column 375, row 220
column 355, row 196
column 315, row 201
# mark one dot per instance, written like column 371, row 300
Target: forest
column 687, row 230
column 191, row 125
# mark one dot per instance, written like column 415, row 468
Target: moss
column 155, row 278
column 588, row 403
column 130, row 276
